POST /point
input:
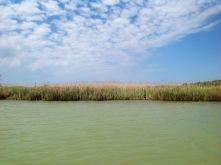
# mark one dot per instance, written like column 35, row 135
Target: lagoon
column 110, row 133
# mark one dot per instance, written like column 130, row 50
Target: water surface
column 110, row 133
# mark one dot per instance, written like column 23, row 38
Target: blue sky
column 153, row 41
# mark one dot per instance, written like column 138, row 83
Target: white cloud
column 110, row 2
column 51, row 7
column 76, row 34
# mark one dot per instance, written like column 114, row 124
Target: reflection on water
column 109, row 133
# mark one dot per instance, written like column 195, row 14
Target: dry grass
column 207, row 91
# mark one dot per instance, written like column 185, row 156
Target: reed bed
column 73, row 92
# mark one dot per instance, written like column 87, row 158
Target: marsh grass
column 186, row 92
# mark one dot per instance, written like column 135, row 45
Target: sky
column 155, row 41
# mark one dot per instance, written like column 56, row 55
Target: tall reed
column 185, row 92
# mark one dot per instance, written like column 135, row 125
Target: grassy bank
column 202, row 91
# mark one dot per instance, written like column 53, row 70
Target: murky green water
column 110, row 133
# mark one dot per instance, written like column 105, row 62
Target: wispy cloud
column 95, row 34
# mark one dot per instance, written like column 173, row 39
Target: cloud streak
column 95, row 34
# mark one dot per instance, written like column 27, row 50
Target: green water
column 110, row 133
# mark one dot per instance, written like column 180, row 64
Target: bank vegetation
column 200, row 91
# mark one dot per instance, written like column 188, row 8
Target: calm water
column 110, row 133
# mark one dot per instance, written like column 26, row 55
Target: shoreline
column 200, row 91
